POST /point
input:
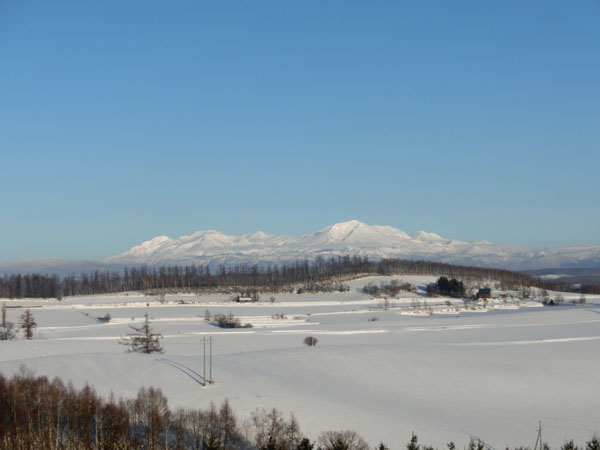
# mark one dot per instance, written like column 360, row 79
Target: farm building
column 484, row 293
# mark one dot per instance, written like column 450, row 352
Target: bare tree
column 228, row 421
column 150, row 409
column 270, row 431
column 393, row 288
column 143, row 340
column 7, row 330
column 28, row 324
column 342, row 440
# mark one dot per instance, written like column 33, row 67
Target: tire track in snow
column 530, row 342
column 497, row 325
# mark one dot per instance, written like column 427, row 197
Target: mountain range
column 214, row 248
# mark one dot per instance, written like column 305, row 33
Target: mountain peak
column 257, row 236
column 344, row 228
column 425, row 236
column 355, row 235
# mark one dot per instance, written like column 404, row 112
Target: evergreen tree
column 143, row 340
column 414, row 443
column 475, row 445
column 28, row 324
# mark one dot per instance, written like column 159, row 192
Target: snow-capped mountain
column 214, row 248
column 347, row 238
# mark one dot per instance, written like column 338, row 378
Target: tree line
column 300, row 275
column 36, row 413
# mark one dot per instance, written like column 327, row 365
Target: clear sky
column 124, row 120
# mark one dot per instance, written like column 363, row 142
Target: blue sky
column 121, row 121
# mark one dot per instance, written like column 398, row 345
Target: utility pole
column 539, row 438
column 204, row 363
column 210, row 341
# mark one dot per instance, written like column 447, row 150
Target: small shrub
column 371, row 289
column 105, row 318
column 432, row 290
column 279, row 316
column 7, row 332
column 230, row 321
column 310, row 341
column 7, row 329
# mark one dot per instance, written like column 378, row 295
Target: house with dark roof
column 484, row 293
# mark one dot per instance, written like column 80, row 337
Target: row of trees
column 36, row 413
column 301, row 275
column 392, row 289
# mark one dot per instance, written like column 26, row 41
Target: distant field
column 424, row 365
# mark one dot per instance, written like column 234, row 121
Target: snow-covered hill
column 347, row 238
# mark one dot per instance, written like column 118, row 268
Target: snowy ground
column 435, row 369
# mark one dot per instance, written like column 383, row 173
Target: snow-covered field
column 432, row 368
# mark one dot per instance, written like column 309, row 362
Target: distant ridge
column 214, row 248
column 56, row 266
